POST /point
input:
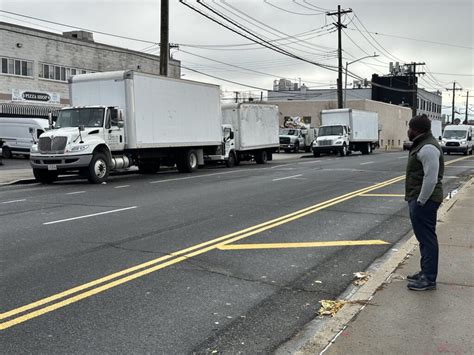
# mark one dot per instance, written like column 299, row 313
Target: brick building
column 35, row 66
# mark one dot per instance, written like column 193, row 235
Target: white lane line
column 75, row 192
column 121, row 186
column 288, row 177
column 13, row 201
column 366, row 163
column 195, row 177
column 311, row 162
column 404, row 157
column 90, row 215
column 279, row 166
column 460, row 166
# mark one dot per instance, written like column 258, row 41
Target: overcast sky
column 440, row 32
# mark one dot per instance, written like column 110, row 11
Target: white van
column 457, row 138
column 16, row 136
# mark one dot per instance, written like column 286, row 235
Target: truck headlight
column 463, row 142
column 78, row 148
column 315, row 143
column 338, row 142
column 34, row 148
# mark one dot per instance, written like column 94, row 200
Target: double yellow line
column 62, row 299
column 75, row 294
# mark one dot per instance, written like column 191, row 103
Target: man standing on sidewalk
column 424, row 193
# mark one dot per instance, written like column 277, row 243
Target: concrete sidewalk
column 398, row 321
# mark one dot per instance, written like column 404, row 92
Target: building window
column 58, row 72
column 16, row 67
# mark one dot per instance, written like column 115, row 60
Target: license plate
column 52, row 167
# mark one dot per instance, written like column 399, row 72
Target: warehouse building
column 35, row 66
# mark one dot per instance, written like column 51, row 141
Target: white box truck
column 124, row 118
column 255, row 128
column 346, row 130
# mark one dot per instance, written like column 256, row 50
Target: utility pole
column 164, row 38
column 415, row 87
column 339, row 26
column 454, row 89
column 236, row 96
column 467, row 108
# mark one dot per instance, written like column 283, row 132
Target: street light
column 347, row 63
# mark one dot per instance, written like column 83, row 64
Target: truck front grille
column 56, row 145
column 325, row 142
column 452, row 144
column 284, row 140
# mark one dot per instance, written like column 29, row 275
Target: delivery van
column 19, row 134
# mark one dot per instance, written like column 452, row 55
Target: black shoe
column 422, row 284
column 414, row 277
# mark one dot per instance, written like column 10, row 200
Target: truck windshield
column 288, row 132
column 87, row 117
column 330, row 131
column 454, row 134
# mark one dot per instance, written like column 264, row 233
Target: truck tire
column 297, row 147
column 98, row 171
column 231, row 161
column 6, row 152
column 366, row 149
column 187, row 161
column 343, row 150
column 270, row 155
column 149, row 167
column 369, row 148
column 45, row 176
column 261, row 157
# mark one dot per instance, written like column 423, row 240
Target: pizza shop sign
column 34, row 96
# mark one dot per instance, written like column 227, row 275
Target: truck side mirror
column 469, row 138
column 120, row 119
column 440, row 138
column 50, row 120
column 231, row 135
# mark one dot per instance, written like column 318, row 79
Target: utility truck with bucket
column 125, row 118
column 343, row 131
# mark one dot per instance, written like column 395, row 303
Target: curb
column 320, row 333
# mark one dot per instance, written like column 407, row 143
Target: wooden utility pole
column 339, row 26
column 164, row 38
column 454, row 89
column 414, row 105
column 466, row 120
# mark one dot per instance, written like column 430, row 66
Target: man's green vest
column 414, row 177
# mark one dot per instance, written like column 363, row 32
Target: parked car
column 19, row 134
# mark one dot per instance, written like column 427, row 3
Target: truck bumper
column 60, row 162
column 287, row 146
column 454, row 149
column 327, row 149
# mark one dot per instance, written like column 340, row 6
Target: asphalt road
column 222, row 259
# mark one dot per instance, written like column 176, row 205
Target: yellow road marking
column 216, row 243
column 301, row 245
column 383, row 195
column 237, row 236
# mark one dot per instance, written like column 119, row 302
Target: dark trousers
column 423, row 220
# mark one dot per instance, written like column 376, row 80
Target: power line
column 257, row 39
column 291, row 12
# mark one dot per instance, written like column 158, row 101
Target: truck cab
column 83, row 138
column 291, row 139
column 457, row 139
column 332, row 139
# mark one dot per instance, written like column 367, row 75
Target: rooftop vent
column 80, row 35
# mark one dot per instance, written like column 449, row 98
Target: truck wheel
column 6, row 152
column 297, row 147
column 230, row 163
column 467, row 151
column 270, row 155
column 45, row 176
column 343, row 151
column 98, row 169
column 149, row 167
column 261, row 157
column 369, row 148
column 187, row 161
